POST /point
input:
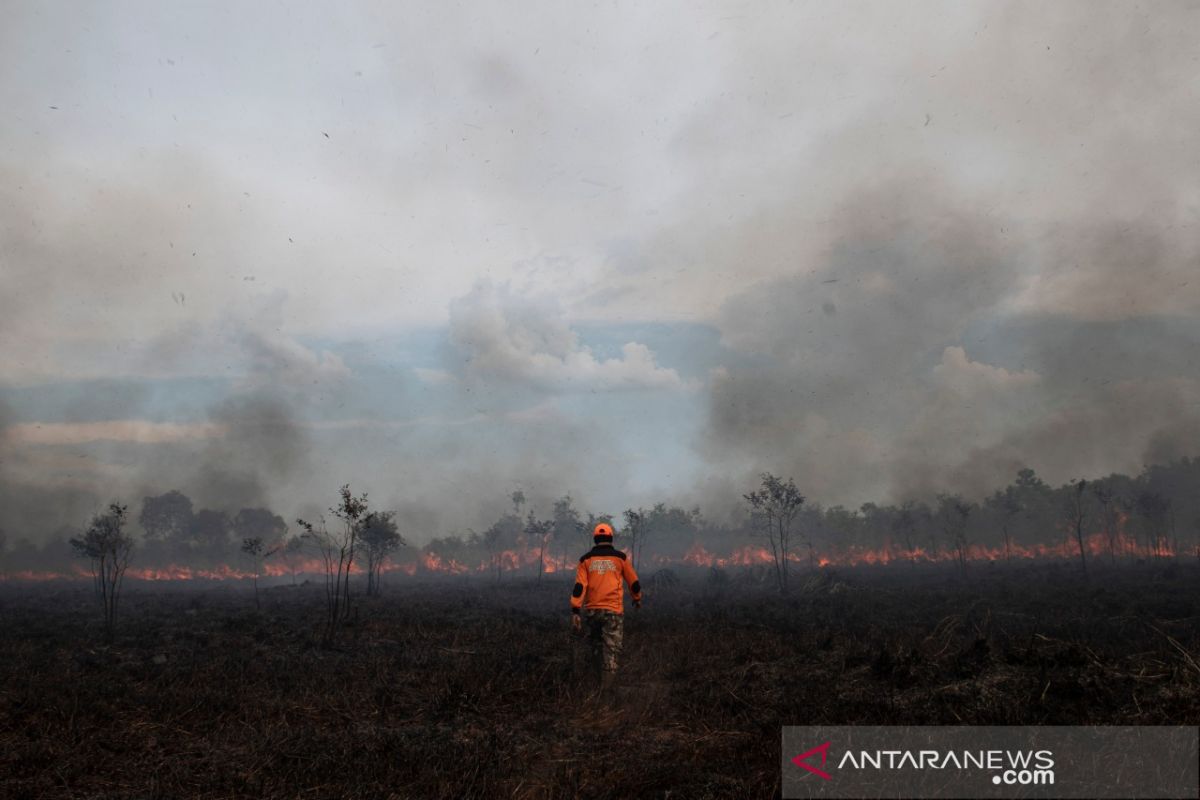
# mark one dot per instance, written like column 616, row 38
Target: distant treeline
column 1153, row 514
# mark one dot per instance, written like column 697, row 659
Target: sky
column 630, row 252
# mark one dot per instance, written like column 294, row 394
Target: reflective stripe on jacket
column 598, row 580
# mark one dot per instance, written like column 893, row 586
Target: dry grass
column 474, row 690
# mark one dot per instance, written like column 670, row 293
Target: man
column 599, row 593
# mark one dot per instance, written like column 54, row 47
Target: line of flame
column 1096, row 545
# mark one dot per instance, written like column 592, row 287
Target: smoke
column 34, row 511
column 263, row 447
column 251, row 448
column 993, row 267
column 833, row 364
column 937, row 247
column 464, row 479
column 866, row 377
column 116, row 298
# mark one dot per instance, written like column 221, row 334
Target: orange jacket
column 598, row 580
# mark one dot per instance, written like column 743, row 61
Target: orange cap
column 602, row 529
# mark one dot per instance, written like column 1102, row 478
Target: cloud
column 502, row 337
column 961, row 374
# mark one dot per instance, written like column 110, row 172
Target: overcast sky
column 631, row 252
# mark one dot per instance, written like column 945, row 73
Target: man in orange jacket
column 600, row 593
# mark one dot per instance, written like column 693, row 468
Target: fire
column 292, row 565
column 529, row 557
column 698, row 556
column 176, row 573
column 435, row 563
column 25, row 575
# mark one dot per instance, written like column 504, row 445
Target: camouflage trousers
column 604, row 637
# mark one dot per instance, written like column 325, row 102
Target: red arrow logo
column 823, row 749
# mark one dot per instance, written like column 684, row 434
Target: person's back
column 598, row 596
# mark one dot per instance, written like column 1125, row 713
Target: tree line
column 1107, row 520
column 1155, row 514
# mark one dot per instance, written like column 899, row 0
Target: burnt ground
column 471, row 689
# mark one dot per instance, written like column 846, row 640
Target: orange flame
column 526, row 556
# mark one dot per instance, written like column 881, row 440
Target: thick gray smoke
column 934, row 243
column 901, row 364
column 33, row 511
column 996, row 266
column 263, row 447
column 250, row 449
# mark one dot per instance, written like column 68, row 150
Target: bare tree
column 539, row 531
column 337, row 550
column 254, row 548
column 250, row 523
column 518, row 500
column 108, row 549
column 567, row 524
column 773, row 509
column 1077, row 512
column 380, row 538
column 1007, row 505
column 293, row 554
column 1155, row 512
column 904, row 526
column 263, row 534
column 636, row 530
column 1105, row 496
column 953, row 513
column 493, row 541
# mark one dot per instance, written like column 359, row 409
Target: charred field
column 476, row 688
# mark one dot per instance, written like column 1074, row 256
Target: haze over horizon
column 628, row 253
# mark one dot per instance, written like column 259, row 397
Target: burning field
column 866, row 332
column 472, row 686
column 334, row 658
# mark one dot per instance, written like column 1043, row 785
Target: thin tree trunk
column 775, row 557
column 1079, row 539
column 541, row 560
column 783, row 549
